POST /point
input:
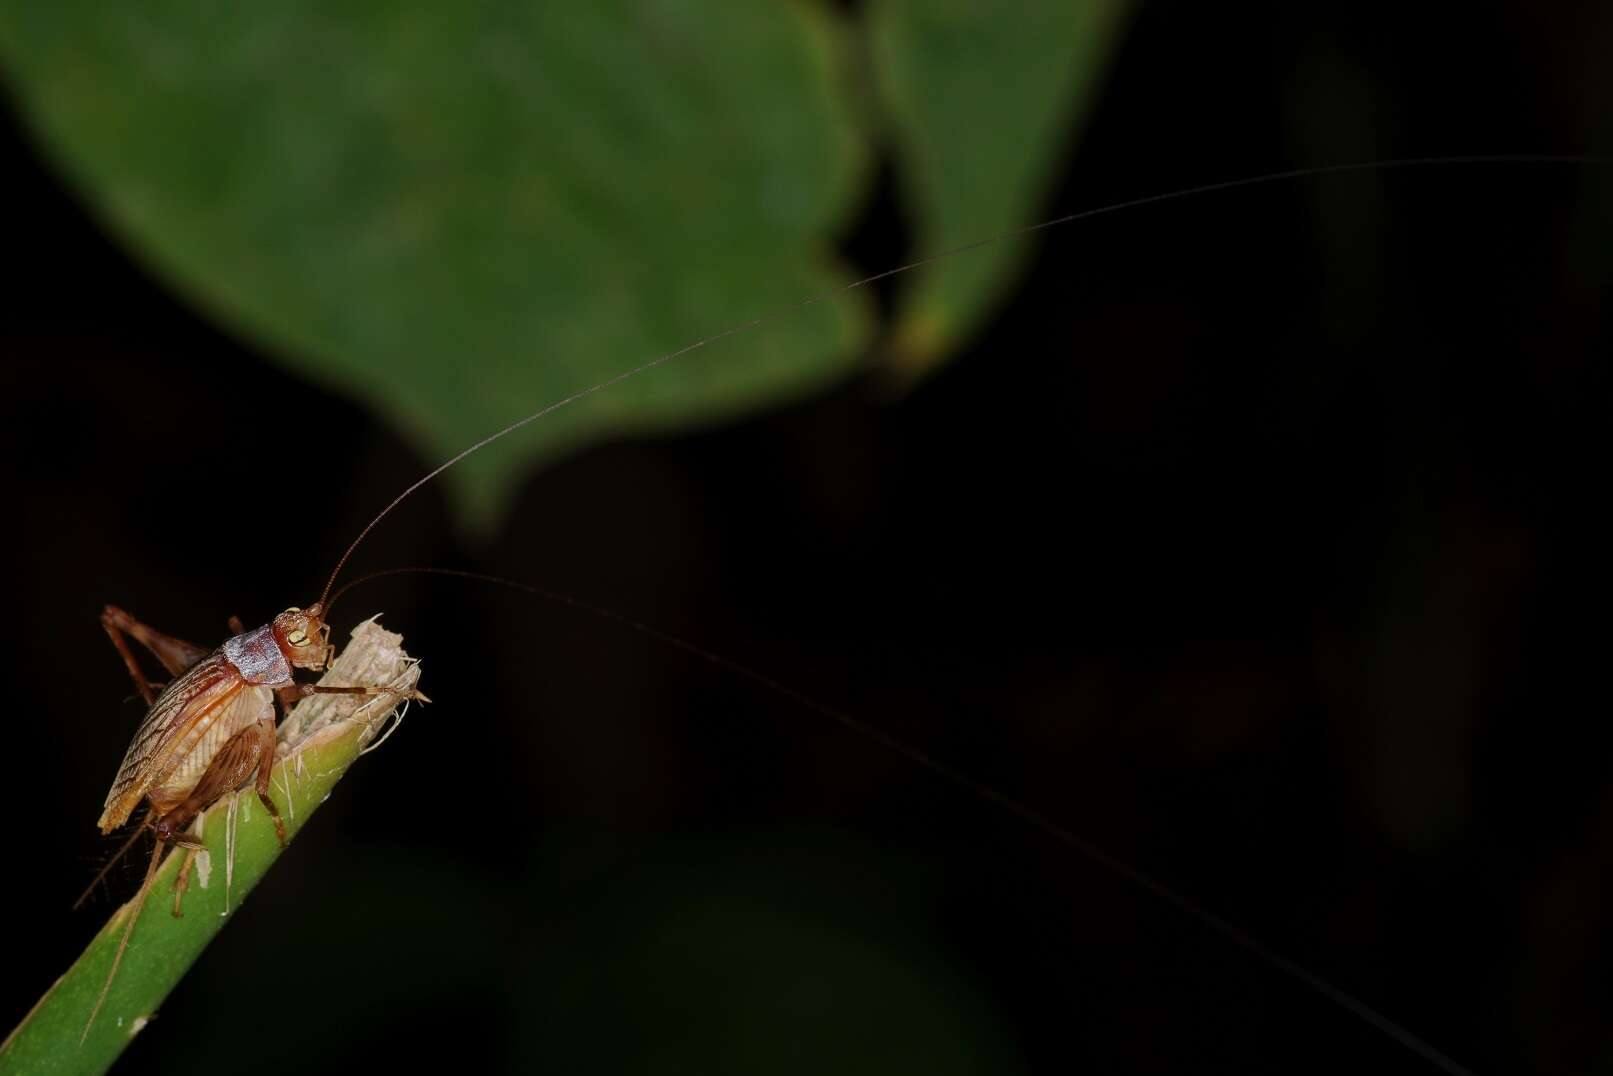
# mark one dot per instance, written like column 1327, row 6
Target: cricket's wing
column 185, row 708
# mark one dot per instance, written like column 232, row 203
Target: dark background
column 1256, row 542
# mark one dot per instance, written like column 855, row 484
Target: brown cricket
column 208, row 733
column 213, row 726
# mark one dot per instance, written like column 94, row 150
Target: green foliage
column 981, row 98
column 460, row 212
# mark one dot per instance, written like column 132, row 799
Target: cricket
column 817, row 727
column 210, row 731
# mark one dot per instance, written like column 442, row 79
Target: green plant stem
column 324, row 735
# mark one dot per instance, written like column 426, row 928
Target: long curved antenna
column 959, row 779
column 1000, row 237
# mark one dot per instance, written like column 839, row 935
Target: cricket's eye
column 296, row 637
column 293, row 609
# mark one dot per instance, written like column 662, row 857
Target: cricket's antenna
column 960, row 779
column 1000, row 237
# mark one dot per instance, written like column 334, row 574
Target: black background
column 1257, row 541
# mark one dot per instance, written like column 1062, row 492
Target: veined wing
column 198, row 696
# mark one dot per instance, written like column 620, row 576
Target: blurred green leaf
column 981, row 96
column 460, row 213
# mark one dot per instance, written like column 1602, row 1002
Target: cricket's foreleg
column 302, row 691
column 175, row 655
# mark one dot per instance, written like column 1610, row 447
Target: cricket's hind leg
column 249, row 753
column 175, row 655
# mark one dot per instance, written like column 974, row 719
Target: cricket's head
column 304, row 637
